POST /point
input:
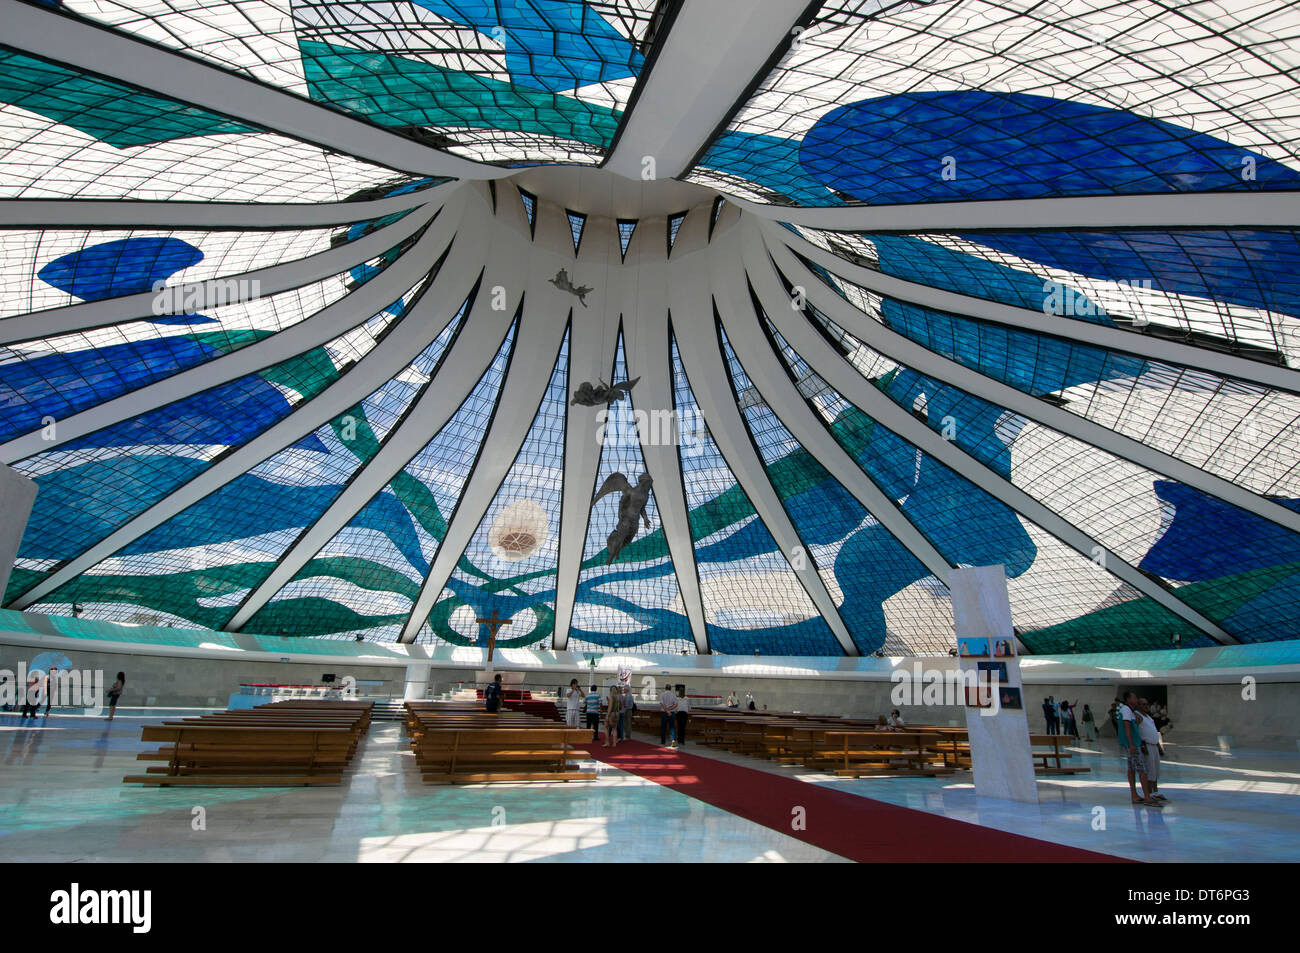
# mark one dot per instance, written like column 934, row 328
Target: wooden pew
column 458, row 744
column 290, row 743
column 419, row 722
column 1049, row 751
column 857, row 753
column 226, row 754
column 469, row 755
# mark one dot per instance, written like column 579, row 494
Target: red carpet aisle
column 854, row 827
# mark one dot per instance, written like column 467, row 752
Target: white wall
column 1200, row 712
column 17, row 493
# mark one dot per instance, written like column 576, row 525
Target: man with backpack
column 493, row 694
column 591, row 705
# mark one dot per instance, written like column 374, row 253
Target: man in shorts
column 1131, row 743
column 573, row 704
column 1149, row 733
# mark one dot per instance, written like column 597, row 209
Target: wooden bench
column 468, row 755
column 422, row 722
column 1048, row 753
column 288, row 743
column 858, row 753
column 245, row 754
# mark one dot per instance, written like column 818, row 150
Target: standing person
column 613, row 717
column 683, row 712
column 1160, row 715
column 625, row 715
column 592, row 705
column 1150, row 734
column 1135, row 749
column 1089, row 724
column 115, row 693
column 32, row 696
column 1070, row 726
column 50, row 682
column 492, row 695
column 1048, row 714
column 668, row 717
column 572, row 704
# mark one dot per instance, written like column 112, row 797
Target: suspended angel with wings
column 562, row 281
column 631, row 508
column 593, row 395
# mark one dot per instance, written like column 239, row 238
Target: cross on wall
column 493, row 623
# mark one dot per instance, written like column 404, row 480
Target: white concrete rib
column 1070, row 329
column 321, row 328
column 860, row 392
column 649, row 359
column 84, row 45
column 906, row 351
column 188, row 215
column 408, row 337
column 1274, row 209
column 474, row 349
column 701, row 70
column 537, row 345
column 701, row 358
column 593, row 345
column 223, row 290
column 768, row 374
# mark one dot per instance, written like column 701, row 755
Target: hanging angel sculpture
column 631, row 508
column 561, row 281
column 593, row 395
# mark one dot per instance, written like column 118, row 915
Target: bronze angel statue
column 561, row 281
column 593, row 395
column 631, row 508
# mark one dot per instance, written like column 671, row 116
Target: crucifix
column 494, row 623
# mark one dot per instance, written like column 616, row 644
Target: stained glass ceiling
column 297, row 296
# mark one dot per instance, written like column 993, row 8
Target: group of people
column 674, row 710
column 748, row 705
column 619, row 706
column 1063, row 718
column 619, row 709
column 1138, row 725
column 40, row 688
column 1139, row 739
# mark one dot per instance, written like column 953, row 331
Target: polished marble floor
column 1224, row 805
column 62, row 799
